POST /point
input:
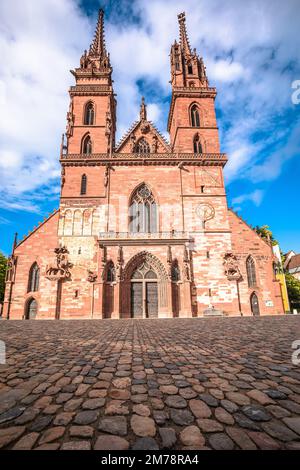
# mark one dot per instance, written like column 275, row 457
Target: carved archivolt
column 141, row 258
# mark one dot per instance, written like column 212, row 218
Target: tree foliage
column 3, row 264
column 265, row 232
column 293, row 288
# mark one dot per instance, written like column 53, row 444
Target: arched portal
column 31, row 309
column 144, row 286
column 254, row 304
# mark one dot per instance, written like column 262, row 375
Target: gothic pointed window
column 110, row 272
column 190, row 69
column 197, row 144
column 251, row 272
column 143, row 211
column 89, row 114
column 175, row 272
column 34, row 278
column 195, row 119
column 83, row 186
column 142, row 146
column 87, row 145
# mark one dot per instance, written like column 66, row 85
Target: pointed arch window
column 83, row 185
column 142, row 146
column 143, row 211
column 175, row 271
column 251, row 272
column 195, row 119
column 34, row 278
column 89, row 114
column 87, row 145
column 190, row 69
column 197, row 144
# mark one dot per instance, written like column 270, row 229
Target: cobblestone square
column 218, row 383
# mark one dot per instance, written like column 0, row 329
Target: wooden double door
column 144, row 299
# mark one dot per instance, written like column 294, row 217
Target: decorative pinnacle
column 184, row 41
column 98, row 45
column 143, row 110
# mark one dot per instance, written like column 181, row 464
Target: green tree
column 265, row 232
column 293, row 288
column 3, row 264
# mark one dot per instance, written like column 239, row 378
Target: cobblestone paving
column 220, row 383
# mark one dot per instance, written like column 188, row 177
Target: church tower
column 192, row 120
column 91, row 119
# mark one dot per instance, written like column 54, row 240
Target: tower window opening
column 195, row 119
column 89, row 114
column 83, row 185
column 87, row 145
column 197, row 147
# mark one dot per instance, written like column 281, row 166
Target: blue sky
column 252, row 56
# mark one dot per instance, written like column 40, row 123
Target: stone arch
column 31, row 308
column 162, row 279
column 68, row 222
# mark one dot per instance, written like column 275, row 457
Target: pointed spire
column 143, row 110
column 15, row 243
column 184, row 41
column 98, row 44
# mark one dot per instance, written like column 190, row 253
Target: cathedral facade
column 143, row 229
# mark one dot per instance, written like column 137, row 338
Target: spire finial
column 143, row 110
column 98, row 44
column 184, row 41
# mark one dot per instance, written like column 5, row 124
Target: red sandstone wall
column 38, row 247
column 246, row 242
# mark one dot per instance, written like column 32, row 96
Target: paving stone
column 245, row 422
column 241, row 438
column 86, row 417
column 168, row 437
column 220, row 441
column 209, row 425
column 93, row 403
column 169, row 389
column 76, row 445
column 27, row 416
column 181, row 417
column 175, row 401
column 113, row 425
column 8, row 435
column 293, row 423
column 191, row 436
column 160, row 416
column 276, row 394
column 256, row 413
column 143, row 426
column 199, row 409
column 238, row 398
column 73, row 405
column 261, row 397
column 279, row 431
column 145, row 443
column 40, row 423
column 116, row 407
column 110, row 442
column 263, row 441
column 209, row 399
column 63, row 419
column 11, row 414
column 278, row 411
column 81, row 431
column 229, row 406
column 27, row 442
column 52, row 434
column 223, row 416
column 141, row 410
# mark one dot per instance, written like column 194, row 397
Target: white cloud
column 255, row 197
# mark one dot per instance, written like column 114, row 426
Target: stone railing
column 174, row 234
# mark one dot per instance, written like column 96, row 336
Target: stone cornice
column 91, row 90
column 203, row 159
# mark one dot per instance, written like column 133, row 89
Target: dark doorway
column 254, row 304
column 31, row 309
